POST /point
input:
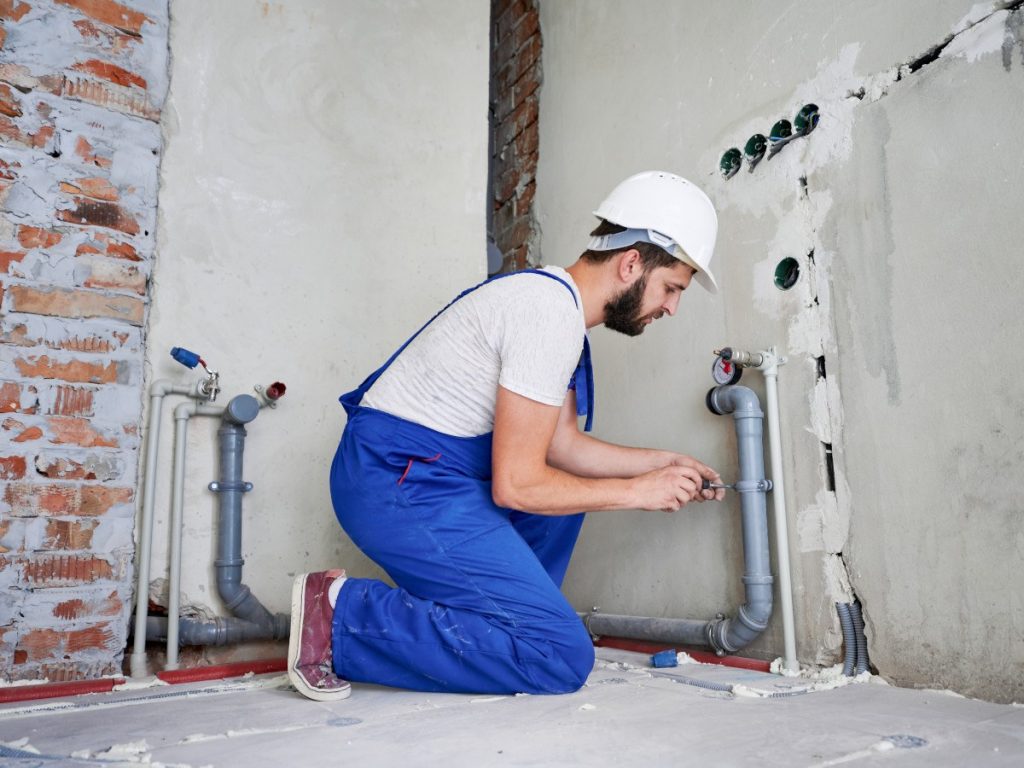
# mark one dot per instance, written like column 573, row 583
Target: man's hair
column 651, row 255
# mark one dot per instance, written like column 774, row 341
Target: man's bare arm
column 524, row 479
column 586, row 456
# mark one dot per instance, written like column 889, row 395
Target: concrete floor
column 627, row 714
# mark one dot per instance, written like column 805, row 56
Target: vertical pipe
column 138, row 659
column 182, row 414
column 790, row 663
column 181, row 417
column 157, row 391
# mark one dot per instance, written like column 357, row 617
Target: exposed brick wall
column 82, row 84
column 516, row 77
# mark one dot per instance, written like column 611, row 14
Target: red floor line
column 220, row 671
column 105, row 685
column 642, row 646
column 57, row 690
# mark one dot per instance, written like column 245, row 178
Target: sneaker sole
column 294, row 646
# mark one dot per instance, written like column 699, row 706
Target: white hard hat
column 675, row 213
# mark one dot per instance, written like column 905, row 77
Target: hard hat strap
column 628, row 237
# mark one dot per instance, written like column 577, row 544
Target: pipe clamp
column 219, row 487
column 753, row 486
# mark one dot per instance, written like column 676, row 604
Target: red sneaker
column 309, row 642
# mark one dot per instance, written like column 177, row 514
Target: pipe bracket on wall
column 222, row 487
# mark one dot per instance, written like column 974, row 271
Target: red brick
column 70, row 609
column 116, row 277
column 93, row 467
column 77, row 608
column 19, row 336
column 72, row 370
column 41, row 138
column 98, row 499
column 95, row 187
column 65, row 570
column 10, row 257
column 68, row 431
column 72, row 401
column 12, row 398
column 123, row 251
column 36, row 237
column 32, row 433
column 69, row 534
column 98, row 213
column 31, row 500
column 10, row 104
column 12, row 467
column 112, row 72
column 107, row 37
column 68, row 671
column 85, row 152
column 99, row 637
column 13, row 10
column 37, row 644
column 61, row 302
column 128, row 101
column 109, row 12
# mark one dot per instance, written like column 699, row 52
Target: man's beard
column 622, row 313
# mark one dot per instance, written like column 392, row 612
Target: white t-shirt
column 523, row 332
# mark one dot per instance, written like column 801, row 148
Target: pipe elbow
column 734, row 399
column 161, row 388
column 241, row 410
column 185, row 411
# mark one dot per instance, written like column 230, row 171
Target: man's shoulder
column 541, row 285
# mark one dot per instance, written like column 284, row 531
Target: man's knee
column 569, row 661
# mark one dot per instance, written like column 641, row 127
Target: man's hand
column 705, row 473
column 667, row 489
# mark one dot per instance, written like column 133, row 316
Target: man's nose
column 671, row 305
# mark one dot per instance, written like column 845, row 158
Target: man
column 463, row 473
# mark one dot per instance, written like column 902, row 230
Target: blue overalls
column 477, row 608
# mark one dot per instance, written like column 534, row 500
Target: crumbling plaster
column 698, row 83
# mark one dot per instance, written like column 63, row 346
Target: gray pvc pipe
column 751, row 619
column 724, row 635
column 682, row 631
column 230, row 489
column 250, row 620
column 218, row 631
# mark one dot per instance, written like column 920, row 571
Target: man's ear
column 630, row 266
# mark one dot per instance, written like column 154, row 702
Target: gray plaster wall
column 901, row 209
column 322, row 194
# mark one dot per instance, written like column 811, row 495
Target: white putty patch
column 199, row 738
column 823, row 526
column 587, row 707
column 982, row 39
column 139, row 683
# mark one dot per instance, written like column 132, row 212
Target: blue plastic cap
column 186, row 358
column 665, row 658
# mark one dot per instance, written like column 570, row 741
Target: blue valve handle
column 186, row 358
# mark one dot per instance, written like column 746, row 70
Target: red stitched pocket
column 416, row 458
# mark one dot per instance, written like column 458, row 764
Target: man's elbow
column 505, row 494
